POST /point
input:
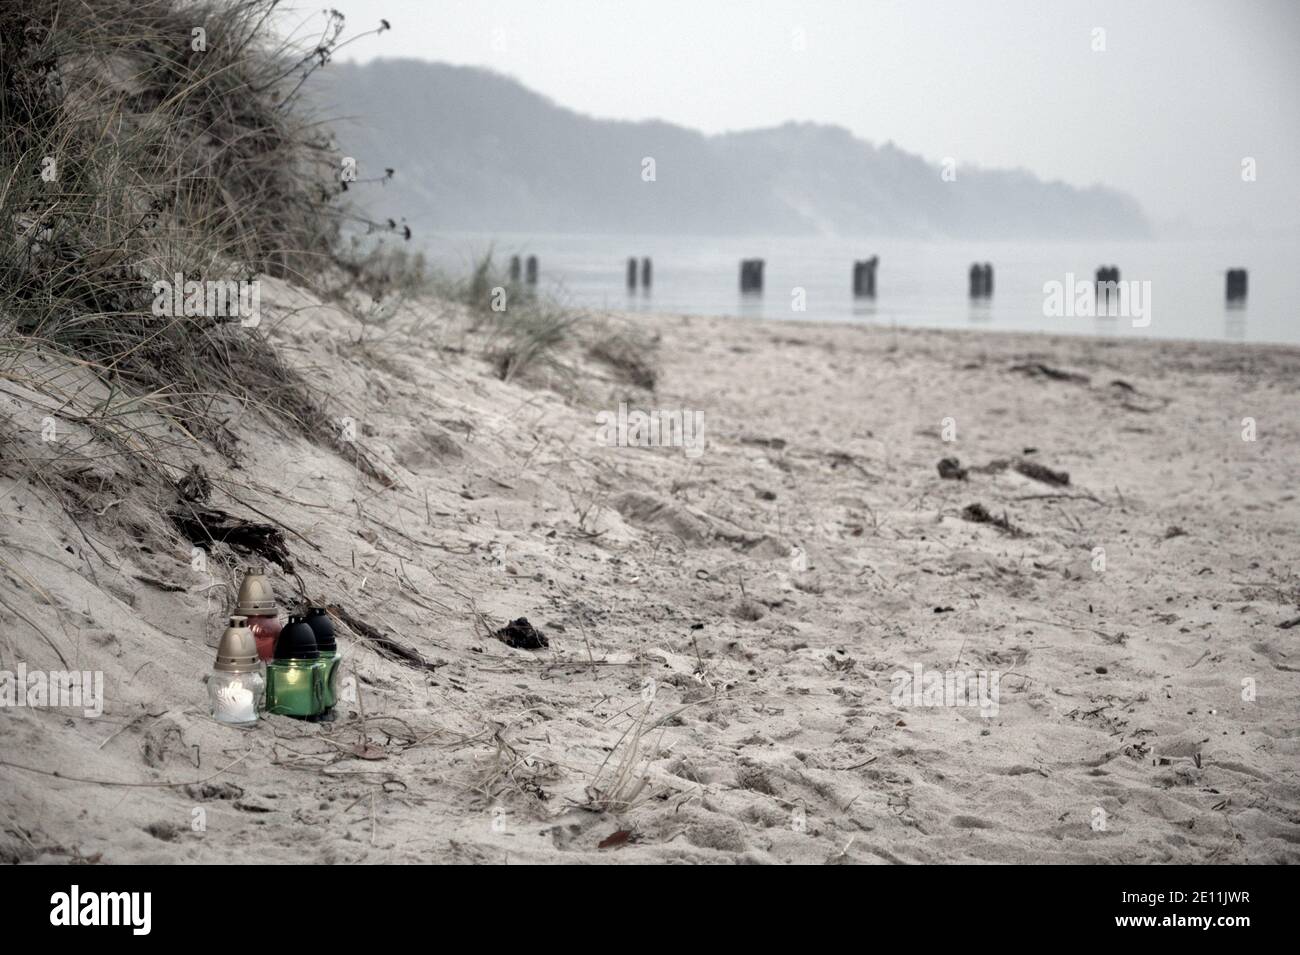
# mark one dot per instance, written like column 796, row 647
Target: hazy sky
column 1183, row 90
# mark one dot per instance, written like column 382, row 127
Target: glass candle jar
column 295, row 678
column 266, row 630
column 322, row 625
column 237, row 684
column 257, row 603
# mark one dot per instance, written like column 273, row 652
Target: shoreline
column 1053, row 337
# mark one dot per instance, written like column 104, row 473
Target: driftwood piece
column 205, row 526
column 385, row 644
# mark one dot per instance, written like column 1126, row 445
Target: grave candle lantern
column 257, row 603
column 295, row 678
column 236, row 685
column 322, row 624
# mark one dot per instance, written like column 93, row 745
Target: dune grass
column 145, row 139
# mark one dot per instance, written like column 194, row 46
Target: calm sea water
column 919, row 283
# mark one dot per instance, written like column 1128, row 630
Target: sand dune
column 725, row 629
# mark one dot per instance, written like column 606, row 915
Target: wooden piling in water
column 645, row 273
column 1107, row 283
column 1236, row 289
column 631, row 273
column 514, row 269
column 981, row 280
column 530, row 270
column 864, row 277
column 751, row 275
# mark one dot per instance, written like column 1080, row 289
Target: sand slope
column 724, row 628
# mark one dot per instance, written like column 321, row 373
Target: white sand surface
column 724, row 627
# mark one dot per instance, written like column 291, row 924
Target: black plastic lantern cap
column 322, row 624
column 297, row 641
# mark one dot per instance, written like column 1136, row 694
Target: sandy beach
column 727, row 623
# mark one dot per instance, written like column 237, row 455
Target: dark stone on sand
column 951, row 469
column 522, row 635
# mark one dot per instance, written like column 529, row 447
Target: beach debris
column 1288, row 624
column 1236, row 287
column 977, row 513
column 950, row 469
column 195, row 486
column 161, row 739
column 1173, row 530
column 1131, row 399
column 1039, row 472
column 775, row 444
column 944, row 609
column 1037, row 369
column 522, row 635
column 205, row 526
column 1030, row 469
column 615, row 839
column 996, row 466
column 844, row 459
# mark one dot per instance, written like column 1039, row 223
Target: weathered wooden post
column 988, row 279
column 869, row 268
column 645, row 273
column 1236, row 285
column 530, row 270
column 751, row 275
column 631, row 273
column 862, row 279
column 514, row 269
column 746, row 271
column 1107, row 284
column 976, row 281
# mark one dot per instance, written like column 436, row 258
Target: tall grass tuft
column 144, row 139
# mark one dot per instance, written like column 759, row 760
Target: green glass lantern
column 295, row 678
column 322, row 624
